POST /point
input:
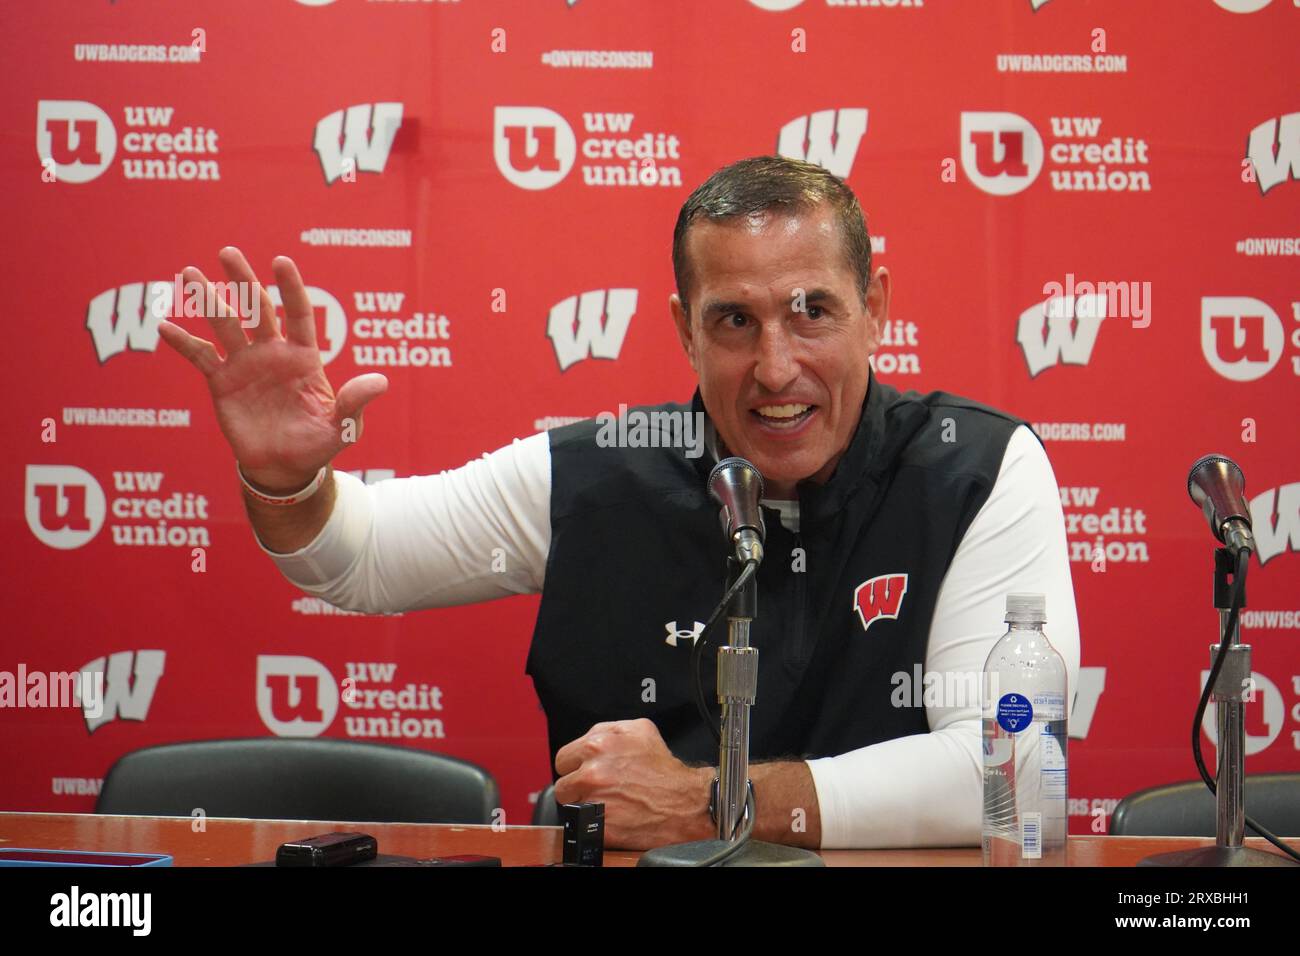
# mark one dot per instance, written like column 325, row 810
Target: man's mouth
column 783, row 416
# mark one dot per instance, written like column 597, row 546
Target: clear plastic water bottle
column 1024, row 712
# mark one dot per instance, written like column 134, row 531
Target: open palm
column 273, row 402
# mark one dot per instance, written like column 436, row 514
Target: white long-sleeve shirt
column 427, row 541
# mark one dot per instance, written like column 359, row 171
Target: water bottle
column 1024, row 697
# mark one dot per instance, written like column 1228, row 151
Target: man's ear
column 877, row 308
column 685, row 334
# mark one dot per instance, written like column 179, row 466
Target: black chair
column 299, row 779
column 1187, row 809
column 547, row 811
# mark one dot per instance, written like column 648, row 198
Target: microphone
column 736, row 485
column 1218, row 487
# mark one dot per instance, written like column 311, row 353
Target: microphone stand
column 737, row 690
column 1229, row 696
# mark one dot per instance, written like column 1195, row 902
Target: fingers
column 223, row 320
column 611, row 726
column 569, row 757
column 570, row 789
column 201, row 353
column 355, row 394
column 299, row 321
column 255, row 298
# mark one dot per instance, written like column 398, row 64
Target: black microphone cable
column 697, row 649
column 746, row 831
column 711, row 722
column 1238, row 584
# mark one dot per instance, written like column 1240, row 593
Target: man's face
column 780, row 339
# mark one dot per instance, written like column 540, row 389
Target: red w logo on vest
column 882, row 596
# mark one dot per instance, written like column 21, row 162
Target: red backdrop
column 499, row 158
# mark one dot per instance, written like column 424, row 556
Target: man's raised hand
column 273, row 402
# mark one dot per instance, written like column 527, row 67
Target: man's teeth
column 782, row 411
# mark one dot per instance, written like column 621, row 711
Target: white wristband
column 292, row 499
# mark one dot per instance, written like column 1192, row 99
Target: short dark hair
column 764, row 183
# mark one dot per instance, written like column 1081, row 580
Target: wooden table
column 233, row 842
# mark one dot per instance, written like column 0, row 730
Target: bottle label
column 1031, row 836
column 1015, row 713
column 1053, row 754
column 1049, row 706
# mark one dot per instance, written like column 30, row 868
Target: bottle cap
column 1026, row 609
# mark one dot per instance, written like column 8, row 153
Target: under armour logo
column 675, row 635
column 882, row 596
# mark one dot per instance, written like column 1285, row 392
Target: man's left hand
column 651, row 798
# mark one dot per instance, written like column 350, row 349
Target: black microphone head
column 734, row 472
column 1218, row 488
column 737, row 485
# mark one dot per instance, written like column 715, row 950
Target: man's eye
column 815, row 312
column 735, row 320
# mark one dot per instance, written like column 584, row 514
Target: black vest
column 637, row 559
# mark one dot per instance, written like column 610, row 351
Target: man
column 896, row 526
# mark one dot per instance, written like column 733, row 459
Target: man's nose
column 777, row 363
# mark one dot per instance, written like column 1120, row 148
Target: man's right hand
column 273, row 402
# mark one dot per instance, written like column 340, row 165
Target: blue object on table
column 19, row 856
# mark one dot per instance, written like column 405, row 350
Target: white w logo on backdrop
column 1062, row 329
column 358, row 140
column 1276, row 537
column 127, row 317
column 131, row 677
column 1274, row 151
column 828, row 138
column 591, row 325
